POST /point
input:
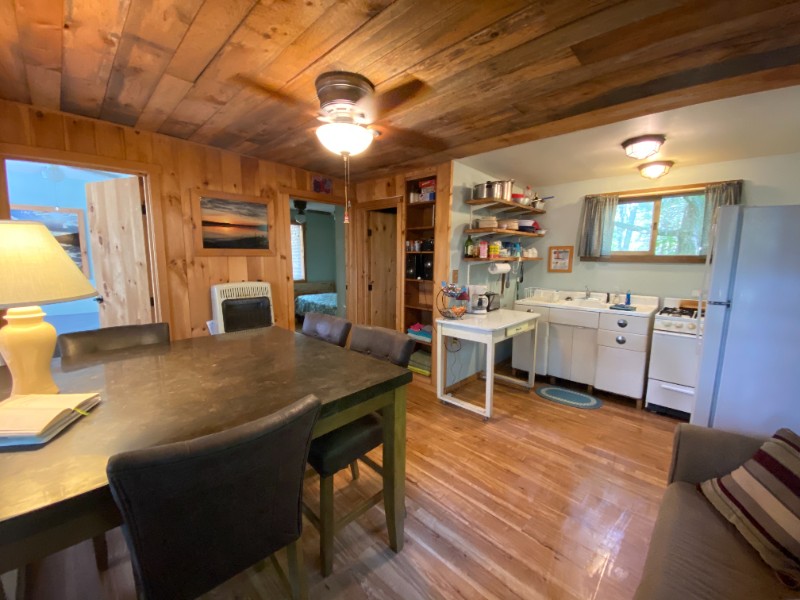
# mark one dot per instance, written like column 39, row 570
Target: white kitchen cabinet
column 572, row 353
column 620, row 371
column 584, row 354
column 622, row 355
column 559, row 351
column 522, row 355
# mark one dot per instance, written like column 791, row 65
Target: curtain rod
column 694, row 187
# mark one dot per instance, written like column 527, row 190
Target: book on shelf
column 35, row 419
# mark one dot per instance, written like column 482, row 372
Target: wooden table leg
column 394, row 467
column 298, row 580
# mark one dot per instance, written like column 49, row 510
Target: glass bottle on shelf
column 469, row 246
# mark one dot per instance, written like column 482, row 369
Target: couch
column 694, row 552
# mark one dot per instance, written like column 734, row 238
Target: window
column 660, row 226
column 298, row 252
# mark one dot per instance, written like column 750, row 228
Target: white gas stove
column 674, row 359
column 675, row 319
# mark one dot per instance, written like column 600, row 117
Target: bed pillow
column 762, row 500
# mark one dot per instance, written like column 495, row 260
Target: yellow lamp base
column 27, row 344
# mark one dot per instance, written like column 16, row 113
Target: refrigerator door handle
column 718, row 303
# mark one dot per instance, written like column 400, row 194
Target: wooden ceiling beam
column 13, row 80
column 260, row 39
column 152, row 33
column 40, row 24
column 238, row 119
column 92, row 30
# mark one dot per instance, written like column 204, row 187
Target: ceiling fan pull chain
column 346, row 186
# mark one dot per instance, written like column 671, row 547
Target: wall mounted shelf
column 503, row 259
column 481, row 231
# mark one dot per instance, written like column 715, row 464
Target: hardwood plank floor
column 543, row 501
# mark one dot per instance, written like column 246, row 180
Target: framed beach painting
column 68, row 226
column 232, row 224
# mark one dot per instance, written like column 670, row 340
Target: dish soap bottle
column 628, row 298
column 469, row 247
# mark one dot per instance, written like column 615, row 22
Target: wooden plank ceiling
column 489, row 74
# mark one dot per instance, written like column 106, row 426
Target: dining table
column 57, row 495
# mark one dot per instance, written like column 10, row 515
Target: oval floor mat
column 569, row 397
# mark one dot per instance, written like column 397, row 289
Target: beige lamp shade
column 35, row 269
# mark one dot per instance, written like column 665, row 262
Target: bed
column 319, row 297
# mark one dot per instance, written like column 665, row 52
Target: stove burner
column 669, row 311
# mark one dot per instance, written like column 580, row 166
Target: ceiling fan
column 352, row 112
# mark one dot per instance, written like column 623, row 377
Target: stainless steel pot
column 494, row 189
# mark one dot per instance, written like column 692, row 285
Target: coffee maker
column 478, row 301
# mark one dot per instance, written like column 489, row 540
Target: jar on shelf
column 483, row 249
column 494, row 250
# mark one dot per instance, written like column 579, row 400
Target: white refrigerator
column 749, row 376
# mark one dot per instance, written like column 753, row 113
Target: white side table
column 487, row 329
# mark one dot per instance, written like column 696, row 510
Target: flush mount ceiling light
column 643, row 146
column 345, row 138
column 656, row 169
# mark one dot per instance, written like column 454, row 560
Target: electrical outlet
column 455, row 276
column 695, row 293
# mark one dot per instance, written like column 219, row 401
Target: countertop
column 492, row 321
column 644, row 310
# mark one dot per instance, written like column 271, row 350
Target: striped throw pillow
column 762, row 499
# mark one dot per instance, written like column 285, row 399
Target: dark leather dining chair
column 198, row 512
column 84, row 343
column 327, row 328
column 345, row 446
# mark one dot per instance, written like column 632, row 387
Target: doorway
column 381, row 266
column 318, row 258
column 98, row 218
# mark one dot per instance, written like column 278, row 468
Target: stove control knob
column 691, row 326
column 666, row 323
column 678, row 325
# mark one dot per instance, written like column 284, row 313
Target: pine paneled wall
column 174, row 167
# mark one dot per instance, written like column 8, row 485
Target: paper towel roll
column 499, row 268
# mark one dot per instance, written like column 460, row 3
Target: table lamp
column 34, row 270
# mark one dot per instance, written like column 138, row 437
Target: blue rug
column 569, row 397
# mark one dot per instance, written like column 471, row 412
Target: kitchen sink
column 585, row 303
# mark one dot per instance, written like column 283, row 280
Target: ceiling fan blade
column 275, row 94
column 389, row 100
column 409, row 137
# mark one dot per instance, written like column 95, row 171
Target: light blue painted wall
column 320, row 243
column 37, row 184
column 341, row 270
column 471, row 357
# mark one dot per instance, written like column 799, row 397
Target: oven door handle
column 678, row 388
column 687, row 335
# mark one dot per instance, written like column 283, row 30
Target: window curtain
column 726, row 193
column 598, row 225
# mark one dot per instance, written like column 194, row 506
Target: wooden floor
column 543, row 501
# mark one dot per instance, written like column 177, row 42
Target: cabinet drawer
column 619, row 339
column 576, row 318
column 624, row 323
column 543, row 311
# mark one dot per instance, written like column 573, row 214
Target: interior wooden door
column 119, row 251
column 382, row 268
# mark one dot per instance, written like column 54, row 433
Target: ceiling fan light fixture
column 345, row 138
column 656, row 169
column 643, row 146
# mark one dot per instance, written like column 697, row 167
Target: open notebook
column 35, row 419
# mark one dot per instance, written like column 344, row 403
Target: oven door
column 673, row 358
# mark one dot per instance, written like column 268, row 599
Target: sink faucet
column 588, row 295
